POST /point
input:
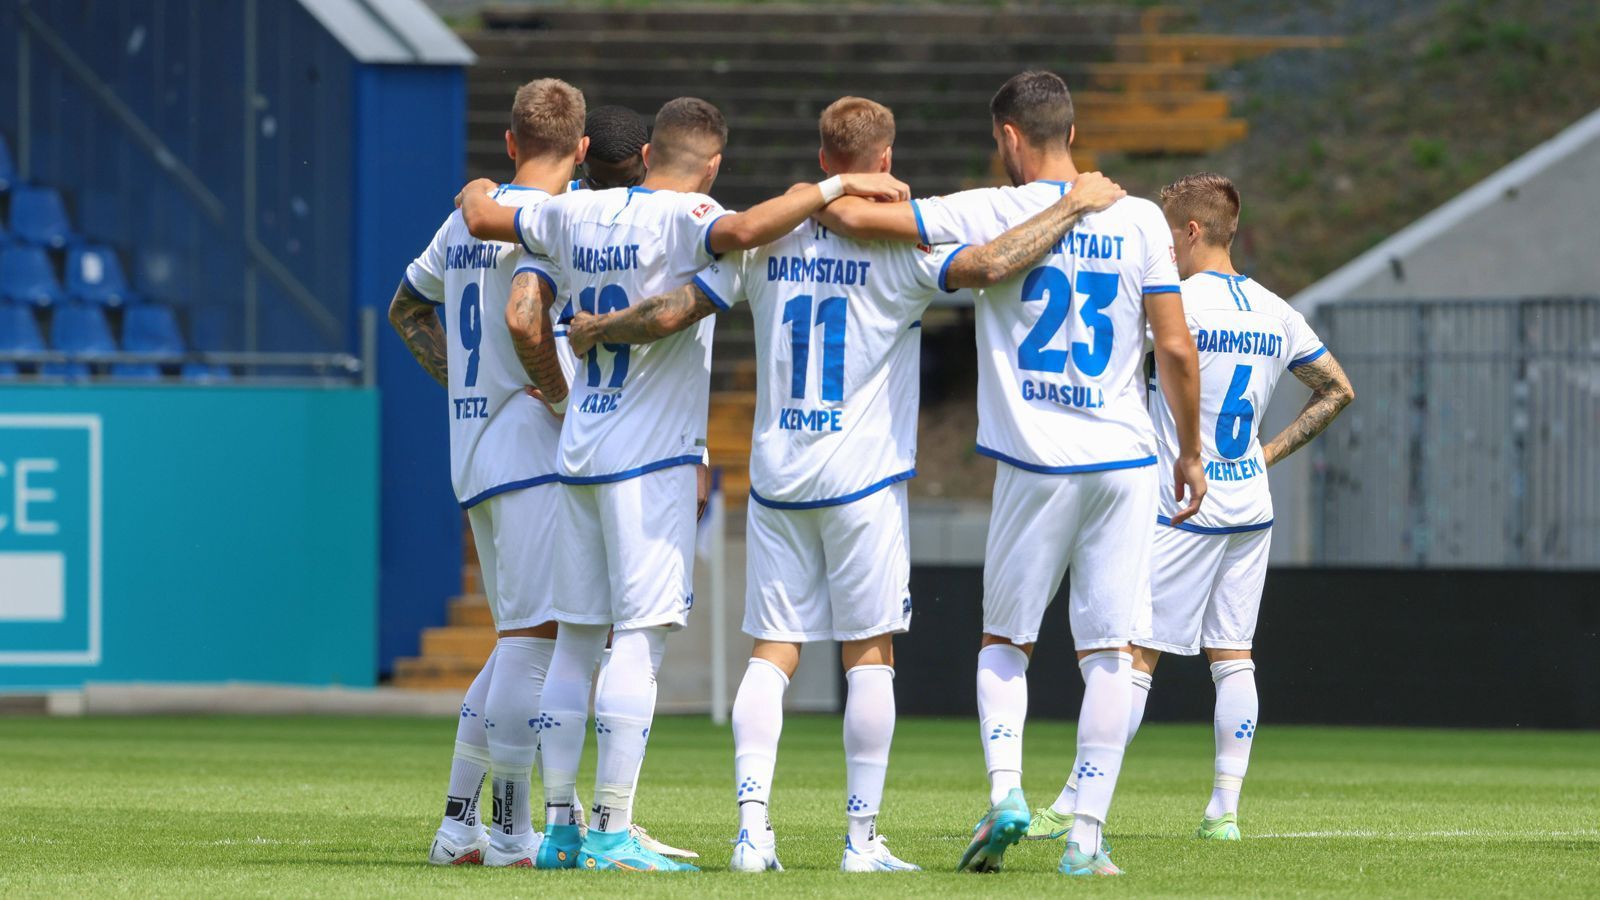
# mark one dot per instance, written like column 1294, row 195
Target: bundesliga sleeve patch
column 703, row 210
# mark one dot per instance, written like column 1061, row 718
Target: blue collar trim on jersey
column 1228, row 277
column 641, row 190
column 1204, row 529
column 867, row 491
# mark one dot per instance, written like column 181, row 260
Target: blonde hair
column 547, row 118
column 855, row 128
column 1207, row 198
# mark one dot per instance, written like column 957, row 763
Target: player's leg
column 524, row 532
column 786, row 603
column 649, row 524
column 1110, row 566
column 644, row 837
column 1031, row 528
column 583, row 607
column 1228, row 632
column 461, row 838
column 868, row 551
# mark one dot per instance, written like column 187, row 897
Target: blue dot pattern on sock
column 855, row 804
column 487, row 723
column 1247, row 730
column 1001, row 731
column 601, row 727
column 748, row 786
column 544, row 721
column 467, row 713
column 1089, row 770
column 645, row 734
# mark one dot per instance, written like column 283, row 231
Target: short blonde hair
column 855, row 128
column 1207, row 198
column 547, row 118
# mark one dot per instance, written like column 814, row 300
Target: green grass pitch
column 299, row 807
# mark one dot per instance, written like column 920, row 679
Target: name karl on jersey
column 595, row 260
column 600, row 402
column 475, row 255
column 1260, row 343
column 822, row 270
column 1233, row 470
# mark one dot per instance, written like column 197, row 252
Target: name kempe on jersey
column 501, row 439
column 1247, row 337
column 1061, row 347
column 838, row 352
column 632, row 409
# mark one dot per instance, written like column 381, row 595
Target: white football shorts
column 625, row 556
column 1097, row 524
column 1206, row 589
column 514, row 533
column 838, row 572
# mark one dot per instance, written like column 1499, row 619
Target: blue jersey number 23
column 1050, row 284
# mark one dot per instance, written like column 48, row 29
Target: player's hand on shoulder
column 1189, row 475
column 538, row 395
column 879, row 186
column 583, row 332
column 1093, row 191
column 476, row 185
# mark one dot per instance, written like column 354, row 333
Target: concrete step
column 1213, row 49
column 471, row 611
column 426, row 674
column 468, row 642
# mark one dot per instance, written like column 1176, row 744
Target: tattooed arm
column 1006, row 256
column 1330, row 393
column 414, row 320
column 528, row 319
column 641, row 323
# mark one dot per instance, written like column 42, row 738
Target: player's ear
column 1013, row 137
column 1072, row 134
column 712, row 168
column 1194, row 232
column 511, row 145
column 822, row 161
column 887, row 161
column 583, row 150
column 644, row 154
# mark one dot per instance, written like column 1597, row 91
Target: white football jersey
column 838, row 356
column 1061, row 347
column 501, row 439
column 632, row 409
column 1247, row 337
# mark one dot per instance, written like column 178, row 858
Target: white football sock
column 511, row 720
column 1002, row 708
column 1068, row 798
column 564, row 715
column 622, row 716
column 471, row 760
column 1102, row 738
column 1235, row 723
column 757, row 725
column 868, row 732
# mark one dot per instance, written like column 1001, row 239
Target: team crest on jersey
column 700, row 212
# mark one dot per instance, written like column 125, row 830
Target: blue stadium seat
column 81, row 330
column 38, row 217
column 148, row 328
column 8, row 370
column 95, row 274
column 27, row 277
column 19, row 332
column 8, row 169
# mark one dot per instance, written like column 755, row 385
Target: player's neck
column 546, row 174
column 671, row 181
column 1050, row 167
column 1212, row 260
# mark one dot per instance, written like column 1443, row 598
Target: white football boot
column 523, row 857
column 749, row 857
column 873, row 856
column 447, row 850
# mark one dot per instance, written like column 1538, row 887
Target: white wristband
column 832, row 189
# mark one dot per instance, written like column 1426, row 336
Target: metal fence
column 1474, row 440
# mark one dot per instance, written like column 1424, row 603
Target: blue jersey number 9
column 1050, row 284
column 1236, row 419
column 471, row 329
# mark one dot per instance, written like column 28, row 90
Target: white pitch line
column 1404, row 835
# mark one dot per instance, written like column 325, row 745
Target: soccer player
column 634, row 429
column 616, row 138
column 1208, row 572
column 503, row 453
column 835, row 441
column 1061, row 407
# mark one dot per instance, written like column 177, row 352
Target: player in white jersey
column 450, row 309
column 635, row 426
column 1209, row 571
column 838, row 326
column 1061, row 408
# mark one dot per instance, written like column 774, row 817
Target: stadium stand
column 19, row 333
column 39, row 217
column 26, row 276
column 79, row 329
column 152, row 329
column 95, row 275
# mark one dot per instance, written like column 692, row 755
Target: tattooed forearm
column 414, row 320
column 653, row 319
column 1330, row 393
column 528, row 319
column 1007, row 255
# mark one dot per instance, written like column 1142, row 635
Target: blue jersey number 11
column 831, row 319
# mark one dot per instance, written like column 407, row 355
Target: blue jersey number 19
column 612, row 297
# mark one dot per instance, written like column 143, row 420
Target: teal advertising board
column 187, row 534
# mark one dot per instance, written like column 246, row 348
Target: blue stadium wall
column 339, row 171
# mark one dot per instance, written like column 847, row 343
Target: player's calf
column 1235, row 719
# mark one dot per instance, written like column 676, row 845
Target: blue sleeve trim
column 712, row 224
column 944, row 270
column 1309, row 357
column 645, row 469
column 851, row 497
column 922, row 232
column 715, row 298
column 405, row 278
column 1163, row 289
column 559, row 332
column 545, row 276
column 516, row 224
column 1205, row 529
column 1139, row 463
column 509, row 486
